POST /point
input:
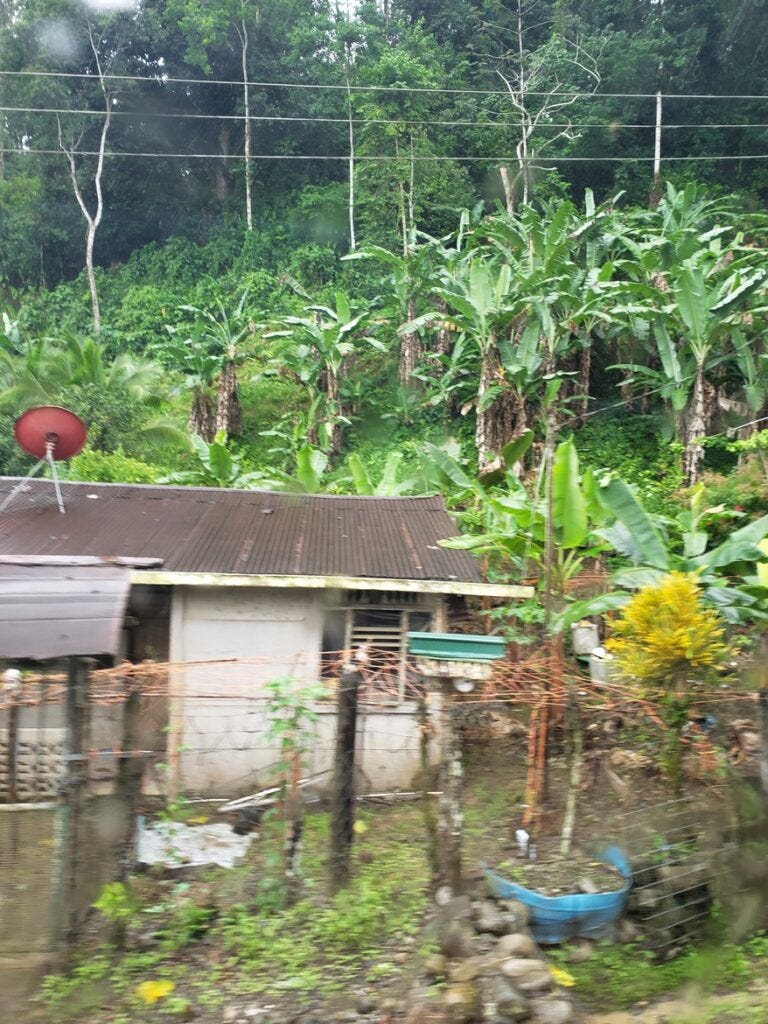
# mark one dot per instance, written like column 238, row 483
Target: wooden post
column 75, row 780
column 13, row 746
column 430, row 824
column 451, row 778
column 763, row 723
column 130, row 772
column 343, row 806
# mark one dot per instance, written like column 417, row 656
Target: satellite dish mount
column 49, row 433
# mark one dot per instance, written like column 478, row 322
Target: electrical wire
column 162, row 79
column 288, row 119
column 345, row 157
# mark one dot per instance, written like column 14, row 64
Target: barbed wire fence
column 224, row 750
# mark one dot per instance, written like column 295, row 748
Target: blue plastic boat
column 557, row 918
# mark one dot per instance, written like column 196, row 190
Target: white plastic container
column 584, row 637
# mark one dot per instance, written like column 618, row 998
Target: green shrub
column 110, row 468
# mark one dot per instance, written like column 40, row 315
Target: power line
column 162, row 79
column 506, row 158
column 611, row 125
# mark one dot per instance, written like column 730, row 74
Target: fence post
column 75, row 781
column 763, row 726
column 451, row 781
column 130, row 771
column 343, row 798
column 12, row 684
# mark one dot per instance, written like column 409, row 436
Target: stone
column 392, row 1006
column 517, row 910
column 444, row 895
column 230, row 1014
column 465, row 970
column 365, row 1004
column 535, row 983
column 462, row 1003
column 521, row 968
column 627, row 931
column 488, row 918
column 502, row 1004
column 587, row 886
column 551, row 1011
column 401, row 957
column 435, row 965
column 456, row 941
column 516, row 944
column 458, row 908
column 426, row 1011
column 581, row 950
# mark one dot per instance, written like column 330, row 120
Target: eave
column 157, row 577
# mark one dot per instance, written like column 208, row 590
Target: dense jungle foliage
column 419, row 234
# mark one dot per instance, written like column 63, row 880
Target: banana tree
column 320, row 345
column 223, row 334
column 389, row 484
column 477, row 294
column 656, row 547
column 510, row 521
column 215, row 466
column 409, row 277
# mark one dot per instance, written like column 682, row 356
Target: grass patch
column 317, row 946
column 620, row 976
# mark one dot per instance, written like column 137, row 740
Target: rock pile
column 489, row 968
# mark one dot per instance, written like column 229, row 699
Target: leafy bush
column 665, row 631
column 110, row 467
column 634, row 448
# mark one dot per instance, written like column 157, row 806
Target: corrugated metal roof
column 196, row 529
column 58, row 610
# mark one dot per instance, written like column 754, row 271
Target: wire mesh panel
column 29, row 846
column 681, row 854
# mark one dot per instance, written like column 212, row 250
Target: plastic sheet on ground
column 175, row 845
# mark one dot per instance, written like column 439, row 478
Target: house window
column 376, row 638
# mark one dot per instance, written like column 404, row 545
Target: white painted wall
column 218, row 724
column 218, row 743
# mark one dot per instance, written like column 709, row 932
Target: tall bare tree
column 536, row 87
column 92, row 212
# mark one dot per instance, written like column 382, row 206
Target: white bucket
column 584, row 637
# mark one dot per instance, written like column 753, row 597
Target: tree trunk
column 228, row 412
column 243, row 33
column 509, row 194
column 95, row 306
column 334, row 427
column 443, row 340
column 585, row 375
column 202, row 419
column 410, row 347
column 222, row 169
column 695, row 428
column 495, row 424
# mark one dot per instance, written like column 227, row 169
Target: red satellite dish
column 50, row 431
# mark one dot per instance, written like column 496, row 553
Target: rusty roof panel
column 196, row 529
column 58, row 610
